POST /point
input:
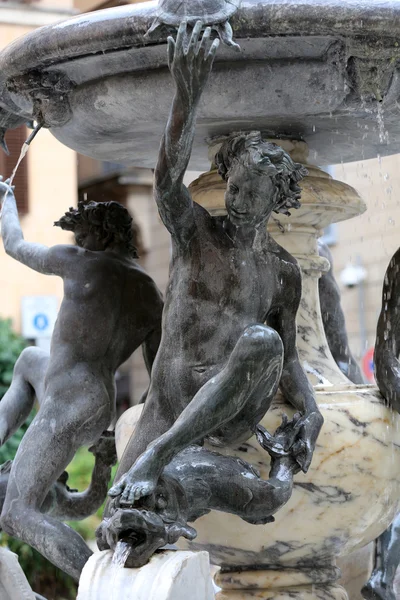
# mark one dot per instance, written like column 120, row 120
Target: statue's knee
column 25, row 360
column 261, row 340
column 7, row 523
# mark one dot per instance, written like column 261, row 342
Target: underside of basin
column 325, row 72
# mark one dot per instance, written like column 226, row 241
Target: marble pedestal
column 169, row 575
column 13, row 583
column 356, row 569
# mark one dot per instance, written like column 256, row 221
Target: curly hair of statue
column 108, row 221
column 265, row 158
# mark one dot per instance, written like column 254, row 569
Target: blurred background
column 52, row 178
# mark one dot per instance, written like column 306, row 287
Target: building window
column 15, row 139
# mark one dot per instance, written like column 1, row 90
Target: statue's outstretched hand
column 307, row 431
column 296, row 438
column 190, row 60
column 5, row 188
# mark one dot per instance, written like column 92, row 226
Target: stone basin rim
column 122, row 27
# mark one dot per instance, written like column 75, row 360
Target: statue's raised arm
column 190, row 60
column 50, row 261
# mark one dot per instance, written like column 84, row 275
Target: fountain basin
column 322, row 71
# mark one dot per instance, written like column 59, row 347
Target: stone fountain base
column 170, row 575
column 347, row 499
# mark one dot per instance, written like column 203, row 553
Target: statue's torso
column 216, row 289
column 110, row 305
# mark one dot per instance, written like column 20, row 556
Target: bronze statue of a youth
column 229, row 330
column 110, row 307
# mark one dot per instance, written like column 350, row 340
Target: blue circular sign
column 41, row 322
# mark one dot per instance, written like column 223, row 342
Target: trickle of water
column 24, row 150
column 383, row 133
column 121, row 553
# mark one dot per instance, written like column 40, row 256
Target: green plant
column 42, row 575
column 80, row 473
column 11, row 346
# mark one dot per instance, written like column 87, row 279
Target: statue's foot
column 376, row 589
column 104, row 449
column 140, row 481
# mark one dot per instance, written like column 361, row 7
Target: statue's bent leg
column 155, row 420
column 251, row 374
column 47, row 448
column 393, row 554
column 70, row 505
column 28, row 383
column 241, row 427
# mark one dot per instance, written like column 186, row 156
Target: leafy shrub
column 42, row 575
column 11, row 346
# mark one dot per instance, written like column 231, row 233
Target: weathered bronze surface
column 229, row 336
column 110, row 307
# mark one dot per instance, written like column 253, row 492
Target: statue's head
column 100, row 226
column 261, row 179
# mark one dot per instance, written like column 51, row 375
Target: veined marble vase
column 352, row 490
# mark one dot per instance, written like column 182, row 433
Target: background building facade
column 46, row 182
column 369, row 240
column 52, row 177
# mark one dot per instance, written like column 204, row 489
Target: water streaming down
column 24, row 150
column 121, row 553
